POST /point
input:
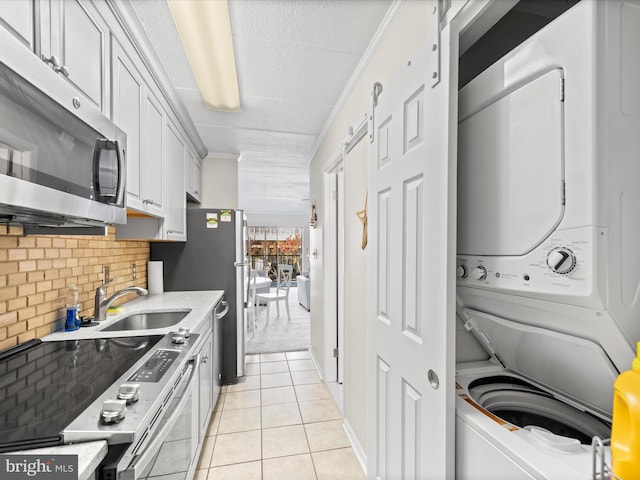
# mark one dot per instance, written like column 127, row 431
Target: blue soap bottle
column 72, row 321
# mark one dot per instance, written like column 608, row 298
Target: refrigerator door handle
column 224, row 312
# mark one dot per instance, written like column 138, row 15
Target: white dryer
column 548, row 243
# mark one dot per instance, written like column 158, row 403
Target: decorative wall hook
column 362, row 215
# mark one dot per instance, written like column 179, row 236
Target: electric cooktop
column 44, row 386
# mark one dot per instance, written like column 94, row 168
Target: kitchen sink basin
column 147, row 320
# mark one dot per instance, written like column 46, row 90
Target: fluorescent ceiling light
column 205, row 31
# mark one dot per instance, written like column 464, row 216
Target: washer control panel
column 564, row 264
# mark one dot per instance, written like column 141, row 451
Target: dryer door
column 510, row 164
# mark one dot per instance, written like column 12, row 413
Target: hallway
column 281, row 335
column 280, row 423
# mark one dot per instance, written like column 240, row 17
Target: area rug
column 281, row 335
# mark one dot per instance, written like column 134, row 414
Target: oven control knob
column 129, row 392
column 461, row 271
column 177, row 337
column 113, row 411
column 184, row 331
column 479, row 273
column 561, row 260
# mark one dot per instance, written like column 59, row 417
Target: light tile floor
column 280, row 422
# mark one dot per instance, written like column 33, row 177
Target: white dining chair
column 281, row 291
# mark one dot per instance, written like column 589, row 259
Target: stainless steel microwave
column 57, row 169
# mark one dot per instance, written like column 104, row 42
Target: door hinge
column 335, row 353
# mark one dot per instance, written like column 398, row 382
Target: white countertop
column 199, row 302
column 90, row 454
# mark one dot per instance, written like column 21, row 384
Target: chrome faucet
column 102, row 303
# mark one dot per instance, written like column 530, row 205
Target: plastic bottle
column 72, row 321
column 625, row 431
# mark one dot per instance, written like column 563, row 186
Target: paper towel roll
column 154, row 277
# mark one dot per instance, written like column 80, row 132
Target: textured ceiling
column 294, row 59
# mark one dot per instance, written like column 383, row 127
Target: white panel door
column 412, row 239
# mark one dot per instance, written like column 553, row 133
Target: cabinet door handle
column 56, row 64
column 53, row 61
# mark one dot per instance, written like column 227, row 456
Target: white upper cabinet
column 127, row 92
column 18, row 17
column 68, row 35
column 139, row 114
column 99, row 49
column 152, row 168
column 175, row 219
column 193, row 166
column 74, row 41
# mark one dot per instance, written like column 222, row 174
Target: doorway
column 271, row 247
column 334, row 268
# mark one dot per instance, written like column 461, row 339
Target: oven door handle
column 150, row 451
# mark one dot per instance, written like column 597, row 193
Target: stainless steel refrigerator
column 214, row 257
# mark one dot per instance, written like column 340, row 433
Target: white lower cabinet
column 206, row 390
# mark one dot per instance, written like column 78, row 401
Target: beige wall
column 219, row 182
column 36, row 271
column 404, row 36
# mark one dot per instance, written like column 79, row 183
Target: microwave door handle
column 141, row 461
column 122, row 174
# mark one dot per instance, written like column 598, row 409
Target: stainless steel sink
column 147, row 320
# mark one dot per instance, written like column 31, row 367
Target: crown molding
column 385, row 25
column 134, row 30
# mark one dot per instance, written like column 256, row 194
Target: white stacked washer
column 549, row 243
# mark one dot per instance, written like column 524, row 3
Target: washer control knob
column 479, row 273
column 113, row 411
column 129, row 392
column 461, row 271
column 561, row 260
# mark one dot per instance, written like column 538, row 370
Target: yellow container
column 625, row 431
